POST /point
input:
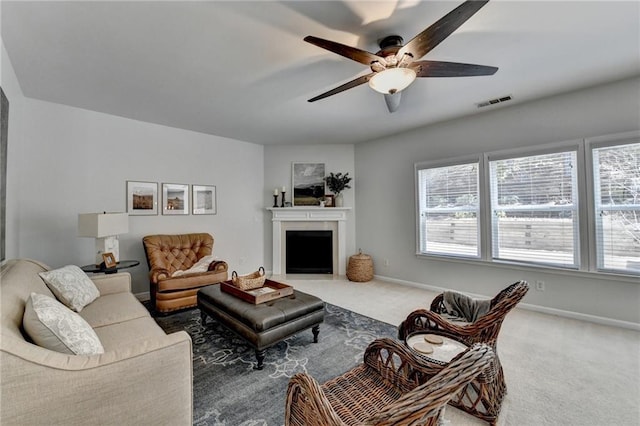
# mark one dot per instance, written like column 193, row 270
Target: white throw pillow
column 52, row 325
column 71, row 286
column 201, row 265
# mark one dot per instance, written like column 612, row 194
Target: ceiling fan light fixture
column 392, row 80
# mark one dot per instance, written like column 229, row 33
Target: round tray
column 443, row 353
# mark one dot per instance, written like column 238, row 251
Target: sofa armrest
column 148, row 382
column 112, row 283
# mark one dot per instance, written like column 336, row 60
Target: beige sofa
column 144, row 376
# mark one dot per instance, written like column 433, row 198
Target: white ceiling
column 240, row 69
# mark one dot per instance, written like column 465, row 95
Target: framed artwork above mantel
column 308, row 183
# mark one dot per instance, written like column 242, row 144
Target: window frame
column 592, row 144
column 475, row 159
column 586, row 241
column 558, row 148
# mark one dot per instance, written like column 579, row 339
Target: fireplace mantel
column 312, row 218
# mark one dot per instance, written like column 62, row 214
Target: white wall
column 74, row 161
column 385, row 171
column 64, row 161
column 277, row 173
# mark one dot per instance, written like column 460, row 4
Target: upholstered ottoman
column 265, row 324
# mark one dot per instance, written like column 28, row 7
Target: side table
column 98, row 269
column 442, row 353
column 480, row 398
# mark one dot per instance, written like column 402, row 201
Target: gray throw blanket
column 464, row 307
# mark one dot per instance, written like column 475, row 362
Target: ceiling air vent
column 494, row 101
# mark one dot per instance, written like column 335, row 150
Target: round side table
column 97, row 269
column 480, row 397
column 442, row 353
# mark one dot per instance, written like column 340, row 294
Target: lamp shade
column 392, row 80
column 99, row 225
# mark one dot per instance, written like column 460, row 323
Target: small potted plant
column 337, row 183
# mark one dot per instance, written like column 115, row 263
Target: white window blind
column 534, row 201
column 617, row 207
column 449, row 210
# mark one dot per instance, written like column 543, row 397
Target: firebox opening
column 309, row 252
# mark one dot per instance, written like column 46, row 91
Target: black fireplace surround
column 309, row 252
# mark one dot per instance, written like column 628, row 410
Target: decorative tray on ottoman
column 271, row 290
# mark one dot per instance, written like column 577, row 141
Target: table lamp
column 105, row 228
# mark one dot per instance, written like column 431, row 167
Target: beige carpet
column 559, row 371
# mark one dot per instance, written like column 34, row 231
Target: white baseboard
column 536, row 308
column 583, row 317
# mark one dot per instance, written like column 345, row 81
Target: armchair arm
column 437, row 304
column 424, row 320
column 157, row 274
column 306, row 404
column 423, row 405
column 397, row 364
column 218, row 266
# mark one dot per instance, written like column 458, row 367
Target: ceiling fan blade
column 350, row 85
column 349, row 52
column 424, row 42
column 450, row 69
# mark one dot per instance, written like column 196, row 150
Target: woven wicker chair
column 480, row 400
column 391, row 387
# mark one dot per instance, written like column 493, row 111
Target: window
column 616, row 177
column 571, row 205
column 448, row 199
column 534, row 209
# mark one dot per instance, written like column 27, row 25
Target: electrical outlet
column 540, row 285
column 385, row 262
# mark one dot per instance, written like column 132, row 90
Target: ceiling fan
column 396, row 66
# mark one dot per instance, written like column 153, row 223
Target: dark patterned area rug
column 228, row 391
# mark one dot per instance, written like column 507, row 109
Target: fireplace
column 309, row 252
column 332, row 220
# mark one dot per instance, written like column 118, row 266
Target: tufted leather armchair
column 167, row 254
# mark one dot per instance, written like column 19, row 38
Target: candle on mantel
column 275, row 191
column 284, row 189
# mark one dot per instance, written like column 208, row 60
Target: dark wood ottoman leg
column 203, row 317
column 260, row 357
column 315, row 330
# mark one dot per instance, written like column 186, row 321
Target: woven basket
column 360, row 268
column 249, row 282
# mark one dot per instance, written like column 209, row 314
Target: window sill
column 630, row 278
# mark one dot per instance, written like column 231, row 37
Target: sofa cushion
column 113, row 308
column 71, row 286
column 127, row 333
column 52, row 325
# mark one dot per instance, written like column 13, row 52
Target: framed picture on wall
column 203, row 199
column 307, row 183
column 4, row 132
column 142, row 198
column 175, row 199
